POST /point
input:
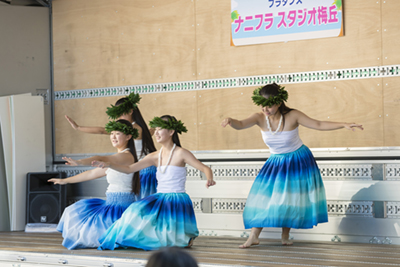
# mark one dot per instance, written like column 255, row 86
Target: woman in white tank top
column 127, row 108
column 83, row 222
column 167, row 217
column 288, row 191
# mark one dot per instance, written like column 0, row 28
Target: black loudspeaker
column 45, row 202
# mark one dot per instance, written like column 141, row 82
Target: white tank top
column 118, row 181
column 138, row 147
column 173, row 180
column 282, row 142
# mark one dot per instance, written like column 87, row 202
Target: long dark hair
column 132, row 149
column 175, row 137
column 147, row 141
column 273, row 90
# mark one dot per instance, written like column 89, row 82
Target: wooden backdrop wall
column 102, row 43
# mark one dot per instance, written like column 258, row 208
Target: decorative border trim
column 286, row 78
column 392, row 172
column 248, row 171
column 335, row 208
column 393, row 209
column 263, row 154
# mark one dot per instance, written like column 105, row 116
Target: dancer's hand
column 57, row 181
column 72, row 122
column 70, row 161
column 226, row 122
column 210, row 183
column 100, row 164
column 352, row 126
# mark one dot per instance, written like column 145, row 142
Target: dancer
column 166, row 218
column 288, row 191
column 126, row 108
column 83, row 222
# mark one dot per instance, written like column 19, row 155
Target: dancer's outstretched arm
column 82, row 177
column 252, row 120
column 144, row 163
column 86, row 129
column 308, row 122
column 118, row 158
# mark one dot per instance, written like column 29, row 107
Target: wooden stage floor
column 37, row 249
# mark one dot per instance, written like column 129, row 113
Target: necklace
column 169, row 159
column 126, row 149
column 277, row 129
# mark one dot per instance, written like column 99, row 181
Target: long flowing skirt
column 83, row 222
column 159, row 220
column 148, row 182
column 287, row 192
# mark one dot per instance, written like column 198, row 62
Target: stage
column 45, row 249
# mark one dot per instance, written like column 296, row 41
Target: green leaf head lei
column 123, row 128
column 170, row 124
column 260, row 100
column 131, row 102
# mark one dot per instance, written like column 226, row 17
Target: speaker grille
column 44, row 208
column 45, row 201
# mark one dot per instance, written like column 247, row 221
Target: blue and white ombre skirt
column 159, row 220
column 83, row 222
column 287, row 192
column 148, row 182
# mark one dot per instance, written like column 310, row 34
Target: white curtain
column 23, row 150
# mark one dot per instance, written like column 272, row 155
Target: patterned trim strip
column 287, row 78
column 243, row 172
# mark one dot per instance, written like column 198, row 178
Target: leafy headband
column 171, row 124
column 259, row 100
column 123, row 128
column 131, row 102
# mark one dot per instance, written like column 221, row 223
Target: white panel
column 25, row 49
column 363, row 190
column 223, row 189
column 5, row 135
column 27, row 113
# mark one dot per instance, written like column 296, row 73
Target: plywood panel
column 91, row 112
column 103, row 43
column 86, row 112
column 361, row 45
column 390, row 32
column 357, row 101
column 349, row 101
column 216, row 105
column 391, row 94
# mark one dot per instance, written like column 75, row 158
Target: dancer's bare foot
column 286, row 241
column 190, row 243
column 251, row 241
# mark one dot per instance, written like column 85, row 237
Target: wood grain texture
column 359, row 47
column 104, row 44
column 390, row 32
column 113, row 43
column 216, row 250
column 391, row 118
column 91, row 112
column 345, row 101
column 85, row 112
